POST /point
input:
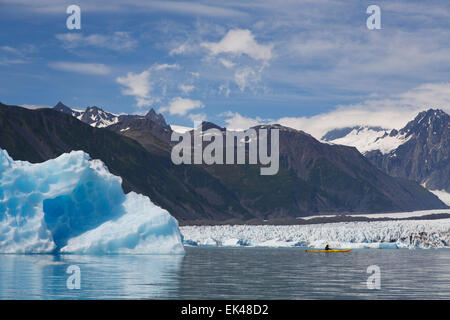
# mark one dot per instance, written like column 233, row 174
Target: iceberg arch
column 73, row 204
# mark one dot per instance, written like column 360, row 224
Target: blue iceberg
column 73, row 204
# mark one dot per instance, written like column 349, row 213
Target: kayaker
column 327, row 247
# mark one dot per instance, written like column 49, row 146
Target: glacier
column 73, row 204
column 393, row 234
column 366, row 139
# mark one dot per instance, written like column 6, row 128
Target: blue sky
column 309, row 64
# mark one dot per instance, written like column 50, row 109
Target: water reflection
column 230, row 273
column 102, row 277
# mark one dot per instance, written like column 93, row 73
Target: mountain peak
column 206, row 125
column 423, row 156
column 151, row 112
column 430, row 113
column 425, row 121
column 94, row 109
column 158, row 118
column 61, row 107
column 60, row 104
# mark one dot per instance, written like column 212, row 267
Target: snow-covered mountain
column 98, row 118
column 340, row 133
column 93, row 116
column 366, row 138
column 420, row 151
column 313, row 178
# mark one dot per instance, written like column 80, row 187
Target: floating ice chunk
column 144, row 229
column 275, row 243
column 190, row 243
column 44, row 205
column 209, row 242
column 232, row 242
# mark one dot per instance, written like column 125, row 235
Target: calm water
column 230, row 273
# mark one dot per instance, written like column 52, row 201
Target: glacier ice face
column 357, row 235
column 71, row 200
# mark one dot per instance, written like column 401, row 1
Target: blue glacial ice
column 73, row 204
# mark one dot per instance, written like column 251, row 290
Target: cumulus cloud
column 141, row 85
column 243, row 57
column 79, row 67
column 238, row 42
column 181, row 106
column 236, row 121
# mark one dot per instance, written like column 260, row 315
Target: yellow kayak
column 331, row 250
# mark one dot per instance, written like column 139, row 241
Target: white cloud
column 10, row 61
column 165, row 66
column 236, row 121
column 186, row 88
column 11, row 56
column 392, row 112
column 117, row 41
column 137, row 6
column 181, row 106
column 225, row 90
column 79, row 67
column 192, row 8
column 139, row 86
column 238, row 42
column 179, row 50
column 246, row 77
column 227, row 63
column 10, row 50
column 197, row 117
column 242, row 55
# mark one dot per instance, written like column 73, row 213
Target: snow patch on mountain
column 390, row 215
column 443, row 195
